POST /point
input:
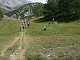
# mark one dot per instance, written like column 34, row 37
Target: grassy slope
column 64, row 34
column 52, row 29
column 8, row 30
column 57, row 35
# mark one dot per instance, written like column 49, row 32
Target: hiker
column 23, row 27
column 28, row 23
column 49, row 22
column 24, row 24
column 52, row 20
column 44, row 27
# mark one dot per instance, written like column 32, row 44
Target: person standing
column 53, row 20
column 28, row 23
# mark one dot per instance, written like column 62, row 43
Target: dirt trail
column 17, row 49
column 20, row 52
column 16, row 39
column 27, row 40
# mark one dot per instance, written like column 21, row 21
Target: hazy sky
column 16, row 3
column 43, row 1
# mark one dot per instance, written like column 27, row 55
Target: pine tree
column 65, row 10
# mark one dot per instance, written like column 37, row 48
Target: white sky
column 43, row 1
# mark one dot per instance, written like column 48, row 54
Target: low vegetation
column 8, row 30
column 60, row 41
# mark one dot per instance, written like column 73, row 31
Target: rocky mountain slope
column 10, row 5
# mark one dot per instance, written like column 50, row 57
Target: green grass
column 52, row 29
column 64, row 37
column 56, row 35
column 65, row 33
column 8, row 30
column 58, row 39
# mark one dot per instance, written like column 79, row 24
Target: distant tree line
column 62, row 10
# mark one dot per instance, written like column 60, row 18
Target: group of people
column 52, row 21
column 45, row 26
column 24, row 24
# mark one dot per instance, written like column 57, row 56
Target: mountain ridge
column 10, row 5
